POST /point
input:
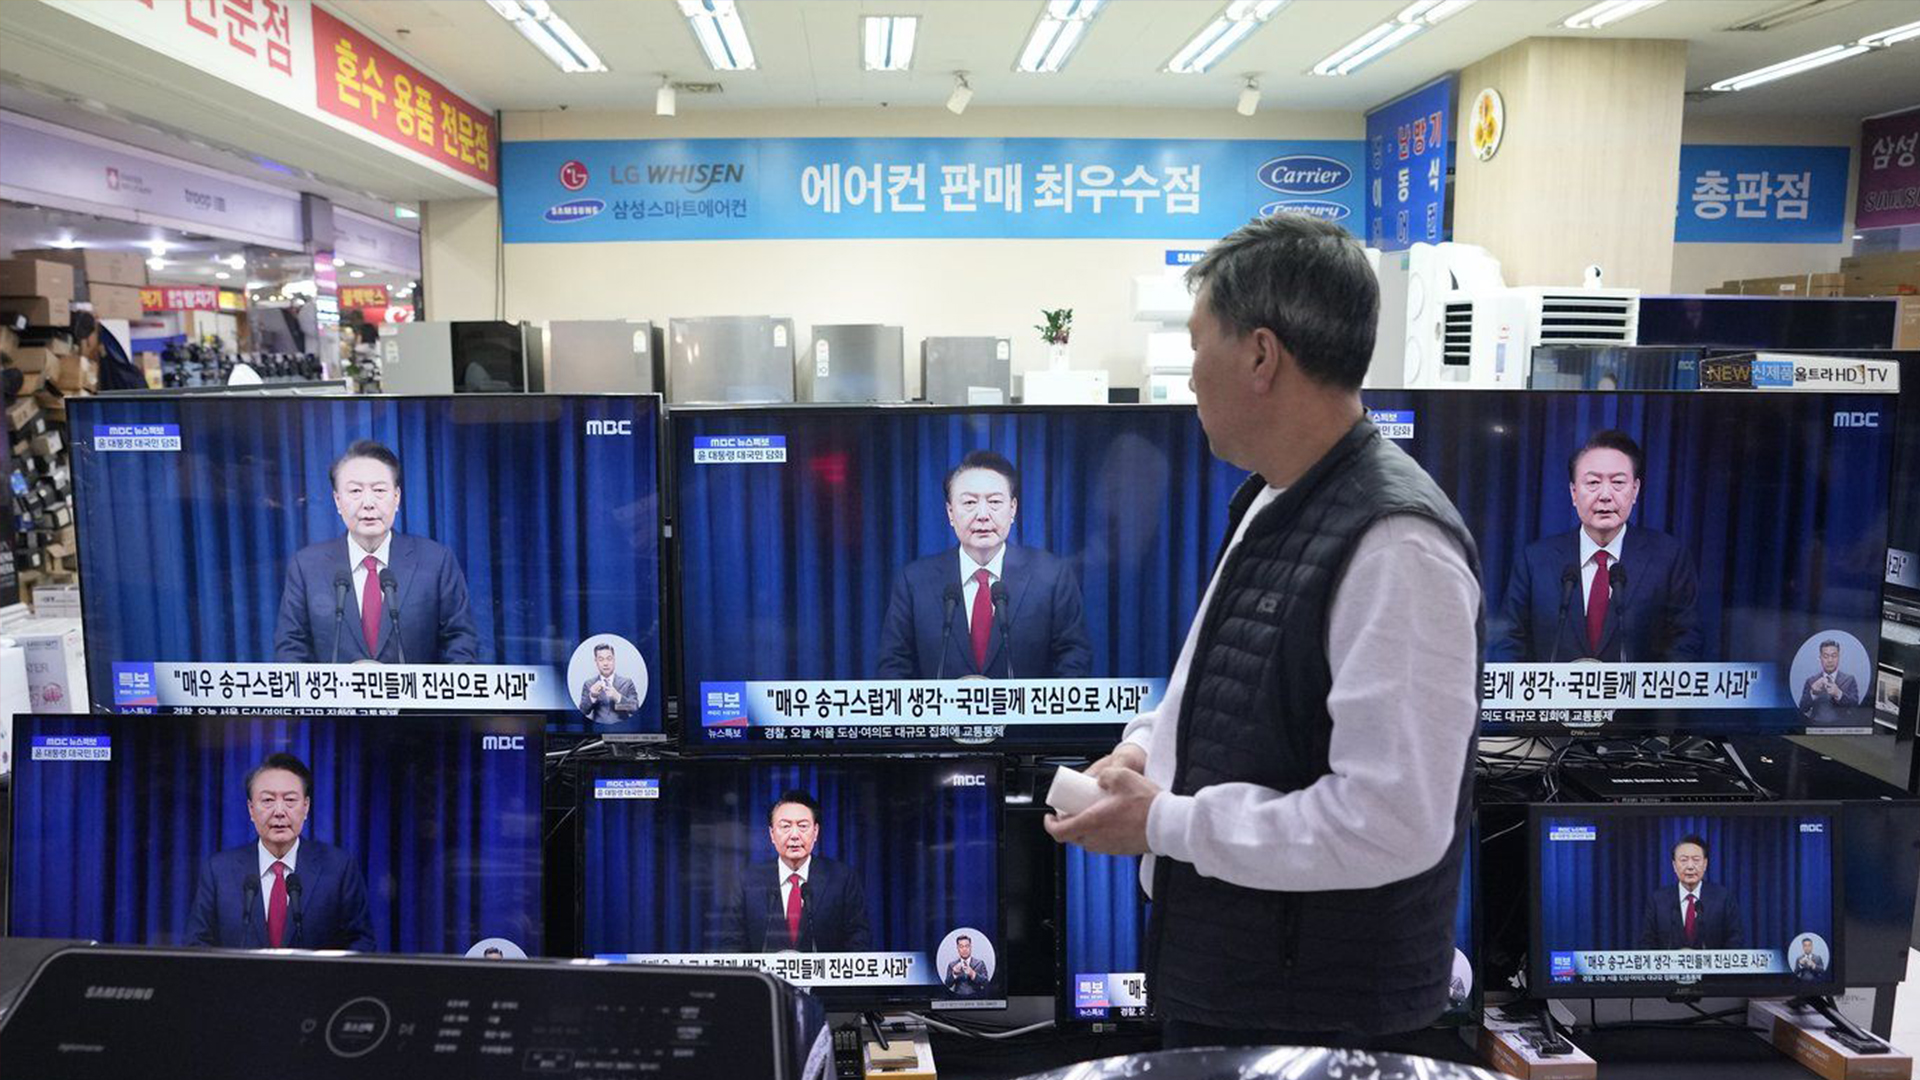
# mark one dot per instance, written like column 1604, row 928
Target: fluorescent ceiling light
column 1892, row 37
column 1832, row 54
column 1608, row 11
column 238, row 262
column 222, row 275
column 536, row 21
column 887, row 42
column 156, row 263
column 722, row 36
column 1789, row 13
column 961, row 96
column 1370, row 46
column 1218, row 38
column 1058, row 32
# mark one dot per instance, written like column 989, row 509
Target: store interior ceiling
column 809, row 53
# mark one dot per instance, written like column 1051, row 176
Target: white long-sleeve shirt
column 1401, row 647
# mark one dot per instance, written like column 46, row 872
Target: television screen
column 415, row 835
column 1646, row 900
column 1742, row 584
column 490, row 552
column 835, row 557
column 1768, row 322
column 1572, row 367
column 871, row 880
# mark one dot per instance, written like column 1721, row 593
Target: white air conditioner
column 1416, row 287
column 1487, row 339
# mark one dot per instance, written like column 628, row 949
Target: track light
column 1249, row 98
column 962, row 94
column 664, row 99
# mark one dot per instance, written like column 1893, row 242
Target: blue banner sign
column 1409, row 148
column 1762, row 195
column 791, row 189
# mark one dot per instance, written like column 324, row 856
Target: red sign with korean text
column 364, row 83
column 362, row 296
column 180, row 298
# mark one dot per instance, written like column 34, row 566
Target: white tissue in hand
column 1072, row 791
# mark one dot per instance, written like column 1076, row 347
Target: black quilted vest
column 1362, row 961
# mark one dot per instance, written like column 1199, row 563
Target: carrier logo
column 1856, row 419
column 577, row 210
column 967, row 780
column 1305, row 174
column 119, row 993
column 609, row 427
column 1320, row 208
column 503, row 742
column 573, row 175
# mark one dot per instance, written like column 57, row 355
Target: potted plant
column 1054, row 332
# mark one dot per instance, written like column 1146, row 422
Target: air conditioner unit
column 1487, row 339
column 1416, row 288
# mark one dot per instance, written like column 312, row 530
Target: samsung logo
column 1856, row 419
column 609, row 427
column 1320, row 208
column 119, row 993
column 967, row 780
column 575, row 210
column 1305, row 174
column 503, row 742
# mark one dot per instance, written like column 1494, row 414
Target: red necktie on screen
column 1693, row 936
column 277, row 907
column 1597, row 601
column 793, row 911
column 370, row 606
column 982, row 626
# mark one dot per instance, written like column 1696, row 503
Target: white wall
column 1697, row 267
column 930, row 287
column 459, row 258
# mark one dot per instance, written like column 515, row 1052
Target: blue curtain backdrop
column 1592, row 891
column 184, row 554
column 1785, row 514
column 447, row 835
column 657, row 872
column 1105, row 921
column 786, row 569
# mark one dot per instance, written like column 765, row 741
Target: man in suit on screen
column 1602, row 591
column 802, row 901
column 1692, row 913
column 1829, row 694
column 608, row 698
column 376, row 594
column 952, row 614
column 282, row 891
column 1809, row 966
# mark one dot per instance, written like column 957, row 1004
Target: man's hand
column 1117, row 824
column 1124, row 756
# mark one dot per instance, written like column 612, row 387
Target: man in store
column 282, row 891
column 608, row 698
column 1829, row 694
column 802, row 902
column 1693, row 913
column 968, row 975
column 378, row 594
column 988, row 607
column 1601, row 591
column 109, row 357
column 1302, row 790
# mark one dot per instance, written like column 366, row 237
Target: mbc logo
column 609, row 427
column 1856, row 419
column 967, row 780
column 503, row 742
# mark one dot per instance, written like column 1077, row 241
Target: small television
column 419, row 834
column 515, row 544
column 1661, row 900
column 692, row 861
column 1613, row 367
column 830, row 571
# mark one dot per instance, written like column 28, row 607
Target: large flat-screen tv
column 415, row 835
column 1744, row 592
column 513, row 540
column 1643, row 900
column 830, row 562
column 897, row 902
column 1102, row 916
column 1768, row 322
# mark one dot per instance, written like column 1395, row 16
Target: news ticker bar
column 841, row 703
column 805, row 969
column 369, row 687
column 1642, row 965
column 1585, row 686
column 1111, row 990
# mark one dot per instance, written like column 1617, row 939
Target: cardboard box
column 1804, row 1037
column 37, row 358
column 1906, row 327
column 36, row 277
column 56, row 664
column 96, row 265
column 1507, row 1045
column 9, row 340
column 39, row 310
column 115, row 301
column 1787, row 285
column 73, row 373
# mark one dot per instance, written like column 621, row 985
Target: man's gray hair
column 1306, row 280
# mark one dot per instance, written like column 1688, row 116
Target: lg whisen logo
column 609, row 427
column 119, row 993
column 693, row 178
column 503, row 742
column 967, row 780
column 1856, row 419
